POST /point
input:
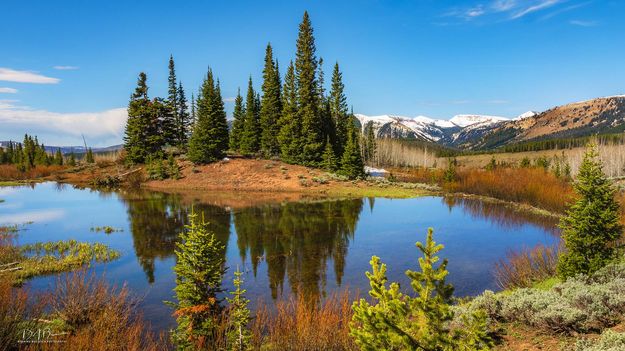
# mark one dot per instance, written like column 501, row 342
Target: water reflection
column 297, row 240
column 505, row 215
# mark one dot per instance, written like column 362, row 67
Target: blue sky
column 68, row 67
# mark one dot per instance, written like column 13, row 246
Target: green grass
column 43, row 258
column 547, row 284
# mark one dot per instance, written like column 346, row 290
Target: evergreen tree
column 58, row 157
column 209, row 140
column 239, row 337
column 338, row 109
column 184, row 122
column 238, row 123
column 72, row 159
column 591, row 227
column 307, row 94
column 199, row 270
column 329, row 162
column 170, row 123
column 89, row 156
column 271, row 106
column 290, row 137
column 351, row 162
column 3, row 156
column 250, row 140
column 370, row 146
column 193, row 115
column 403, row 322
column 138, row 124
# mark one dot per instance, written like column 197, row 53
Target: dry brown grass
column 522, row 269
column 100, row 316
column 10, row 172
column 298, row 325
column 532, row 186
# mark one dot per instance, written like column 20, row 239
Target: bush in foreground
column 423, row 322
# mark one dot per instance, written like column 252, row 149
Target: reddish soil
column 245, row 174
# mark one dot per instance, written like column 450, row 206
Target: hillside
column 596, row 116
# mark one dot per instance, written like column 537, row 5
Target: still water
column 312, row 248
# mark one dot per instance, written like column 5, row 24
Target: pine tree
column 238, row 123
column 290, row 137
column 89, row 156
column 193, row 114
column 250, row 140
column 369, row 146
column 137, row 126
column 3, row 156
column 338, row 109
column 239, row 337
column 209, row 140
column 307, row 94
column 184, row 122
column 351, row 162
column 72, row 159
column 271, row 106
column 170, row 120
column 591, row 227
column 329, row 162
column 402, row 322
column 58, row 157
column 199, row 271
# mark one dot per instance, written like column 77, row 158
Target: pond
column 312, row 247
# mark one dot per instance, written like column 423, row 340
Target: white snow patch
column 375, row 172
column 527, row 114
column 467, row 120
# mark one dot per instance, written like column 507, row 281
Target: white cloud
column 503, row 5
column 229, row 99
column 498, row 102
column 11, row 75
column 537, row 7
column 65, row 68
column 584, row 23
column 475, row 12
column 32, row 216
column 103, row 128
column 8, row 90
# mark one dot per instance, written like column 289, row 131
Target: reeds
column 532, row 186
column 524, row 268
column 298, row 324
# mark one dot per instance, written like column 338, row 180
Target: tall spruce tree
column 170, row 116
column 329, row 162
column 209, row 140
column 339, row 110
column 271, row 106
column 250, row 140
column 290, row 137
column 369, row 143
column 307, row 94
column 138, row 123
column 591, row 227
column 183, row 124
column 351, row 161
column 193, row 115
column 238, row 123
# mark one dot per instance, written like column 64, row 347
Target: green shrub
column 609, row 341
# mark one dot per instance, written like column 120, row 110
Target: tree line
column 30, row 154
column 294, row 119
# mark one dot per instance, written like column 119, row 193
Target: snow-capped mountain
column 527, row 114
column 468, row 120
column 426, row 128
